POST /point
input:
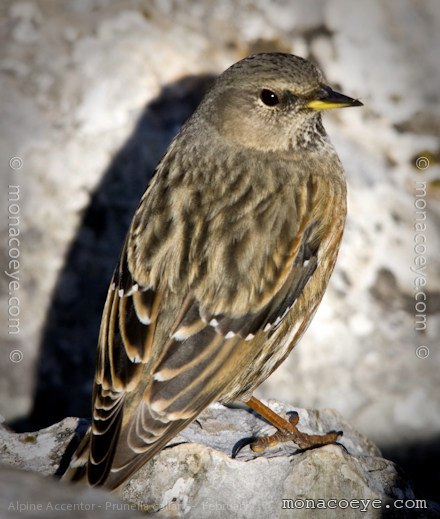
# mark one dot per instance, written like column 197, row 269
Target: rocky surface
column 196, row 477
column 39, row 451
column 91, row 93
column 24, row 494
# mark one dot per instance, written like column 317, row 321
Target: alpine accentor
column 226, row 260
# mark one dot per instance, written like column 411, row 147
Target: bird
column 226, row 260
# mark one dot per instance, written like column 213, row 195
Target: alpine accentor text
column 226, row 261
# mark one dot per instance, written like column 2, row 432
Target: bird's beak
column 328, row 98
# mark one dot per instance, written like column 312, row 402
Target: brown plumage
column 226, row 260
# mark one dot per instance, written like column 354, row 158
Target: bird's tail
column 77, row 470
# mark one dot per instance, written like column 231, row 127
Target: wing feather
column 166, row 350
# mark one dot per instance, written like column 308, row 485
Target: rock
column 200, row 479
column 196, row 477
column 39, row 451
column 24, row 494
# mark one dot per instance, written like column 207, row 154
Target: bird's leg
column 287, row 430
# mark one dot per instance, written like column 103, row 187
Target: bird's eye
column 269, row 98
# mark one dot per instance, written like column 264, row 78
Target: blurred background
column 92, row 92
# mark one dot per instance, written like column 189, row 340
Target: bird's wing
column 156, row 372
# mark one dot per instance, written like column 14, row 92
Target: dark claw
column 240, row 444
column 343, row 446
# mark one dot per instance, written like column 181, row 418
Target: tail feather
column 77, row 470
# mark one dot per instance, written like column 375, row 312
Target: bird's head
column 271, row 102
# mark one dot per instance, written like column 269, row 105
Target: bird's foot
column 289, row 432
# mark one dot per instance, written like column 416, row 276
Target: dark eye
column 269, row 98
